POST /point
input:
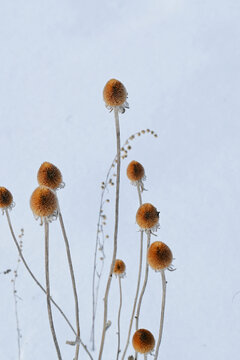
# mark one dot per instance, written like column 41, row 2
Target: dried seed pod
column 147, row 217
column 115, row 95
column 49, row 175
column 143, row 341
column 159, row 256
column 6, row 199
column 119, row 268
column 44, row 203
column 135, row 171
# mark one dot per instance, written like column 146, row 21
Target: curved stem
column 39, row 284
column 119, row 314
column 115, row 234
column 164, row 285
column 144, row 285
column 46, row 228
column 73, row 281
column 138, row 281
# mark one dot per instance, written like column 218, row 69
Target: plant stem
column 138, row 281
column 164, row 285
column 144, row 285
column 73, row 281
column 115, row 234
column 145, row 356
column 119, row 314
column 39, row 284
column 46, row 228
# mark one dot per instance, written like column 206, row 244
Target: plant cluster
column 45, row 206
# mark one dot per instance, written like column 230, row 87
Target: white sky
column 179, row 61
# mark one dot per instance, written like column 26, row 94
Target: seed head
column 135, row 171
column 119, row 268
column 6, row 198
column 43, row 202
column 49, row 175
column 159, row 256
column 147, row 217
column 143, row 341
column 115, row 95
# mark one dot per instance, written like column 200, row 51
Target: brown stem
column 164, row 285
column 115, row 235
column 46, row 228
column 73, row 281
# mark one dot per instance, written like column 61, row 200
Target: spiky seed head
column 49, row 175
column 143, row 341
column 119, row 267
column 6, row 198
column 43, row 202
column 147, row 216
column 135, row 171
column 159, row 256
column 114, row 93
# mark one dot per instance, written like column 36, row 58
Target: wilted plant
column 45, row 205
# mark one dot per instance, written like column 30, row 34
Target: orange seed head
column 6, row 198
column 119, row 267
column 49, row 175
column 114, row 93
column 135, row 171
column 143, row 341
column 147, row 216
column 43, row 202
column 159, row 256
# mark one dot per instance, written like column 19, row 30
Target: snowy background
column 179, row 61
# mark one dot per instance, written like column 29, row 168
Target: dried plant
column 45, row 206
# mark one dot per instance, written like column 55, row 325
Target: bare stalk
column 164, row 285
column 46, row 228
column 138, row 281
column 73, row 282
column 119, row 314
column 145, row 356
column 39, row 284
column 115, row 233
column 144, row 285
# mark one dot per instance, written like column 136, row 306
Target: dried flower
column 147, row 217
column 44, row 203
column 159, row 256
column 6, row 199
column 119, row 268
column 143, row 341
column 136, row 173
column 49, row 175
column 115, row 96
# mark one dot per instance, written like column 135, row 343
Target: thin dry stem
column 119, row 315
column 144, row 285
column 138, row 281
column 115, row 233
column 73, row 281
column 46, row 228
column 164, row 285
column 39, row 284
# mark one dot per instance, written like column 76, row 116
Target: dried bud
column 6, row 199
column 147, row 217
column 49, row 175
column 44, row 203
column 143, row 341
column 115, row 95
column 135, row 171
column 159, row 256
column 119, row 268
